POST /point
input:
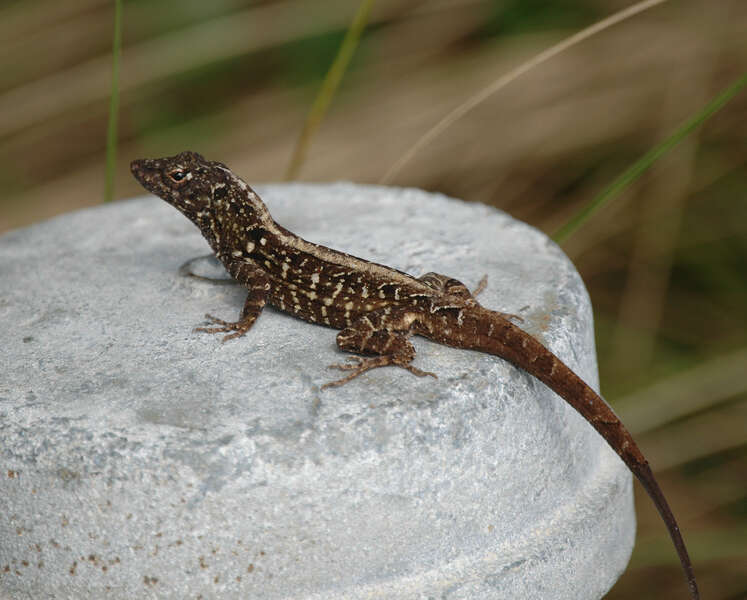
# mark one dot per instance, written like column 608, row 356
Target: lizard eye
column 177, row 175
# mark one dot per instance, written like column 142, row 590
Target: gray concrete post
column 142, row 460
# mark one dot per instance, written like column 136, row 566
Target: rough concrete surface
column 142, row 460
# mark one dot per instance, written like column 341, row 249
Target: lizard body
column 376, row 308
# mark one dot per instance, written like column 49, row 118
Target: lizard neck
column 236, row 221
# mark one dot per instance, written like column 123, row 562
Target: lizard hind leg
column 454, row 287
column 390, row 347
column 449, row 285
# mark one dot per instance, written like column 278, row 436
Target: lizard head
column 206, row 192
column 186, row 181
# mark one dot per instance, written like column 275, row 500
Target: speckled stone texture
column 142, row 460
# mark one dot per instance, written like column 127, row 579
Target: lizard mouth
column 138, row 168
column 147, row 174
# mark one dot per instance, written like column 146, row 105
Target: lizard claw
column 511, row 317
column 354, row 362
column 359, row 365
column 237, row 328
column 418, row 372
column 481, row 285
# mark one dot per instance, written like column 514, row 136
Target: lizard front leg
column 385, row 334
column 258, row 285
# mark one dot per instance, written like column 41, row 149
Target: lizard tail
column 515, row 345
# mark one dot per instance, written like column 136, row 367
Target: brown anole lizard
column 377, row 308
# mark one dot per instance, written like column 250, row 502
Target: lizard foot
column 359, row 365
column 481, row 285
column 238, row 328
column 511, row 317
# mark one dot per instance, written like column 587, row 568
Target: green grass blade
column 648, row 159
column 329, row 87
column 111, row 130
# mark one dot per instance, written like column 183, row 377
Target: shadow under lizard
column 377, row 308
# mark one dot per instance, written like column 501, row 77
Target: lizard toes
column 354, row 362
column 209, row 329
column 419, row 372
column 230, row 336
column 218, row 321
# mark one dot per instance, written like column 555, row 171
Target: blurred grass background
column 665, row 264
